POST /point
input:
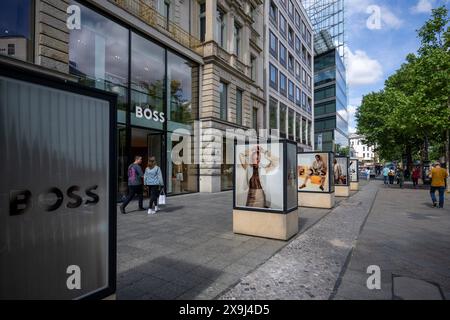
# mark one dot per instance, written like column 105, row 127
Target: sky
column 380, row 34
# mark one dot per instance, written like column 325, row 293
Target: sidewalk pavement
column 410, row 242
column 309, row 266
column 188, row 249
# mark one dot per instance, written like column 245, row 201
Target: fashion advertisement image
column 313, row 172
column 353, row 170
column 340, row 171
column 259, row 176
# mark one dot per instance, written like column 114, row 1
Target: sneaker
column 156, row 209
column 150, row 211
column 434, row 205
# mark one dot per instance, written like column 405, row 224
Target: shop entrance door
column 148, row 143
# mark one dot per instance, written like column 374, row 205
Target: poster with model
column 340, row 171
column 259, row 176
column 314, row 172
column 353, row 170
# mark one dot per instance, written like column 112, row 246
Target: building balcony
column 212, row 49
column 153, row 18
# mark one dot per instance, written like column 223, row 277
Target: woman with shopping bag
column 153, row 179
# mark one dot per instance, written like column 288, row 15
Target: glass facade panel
column 16, row 29
column 273, row 109
column 283, row 110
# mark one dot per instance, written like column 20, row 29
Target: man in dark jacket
column 135, row 175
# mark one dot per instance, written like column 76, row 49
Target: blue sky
column 376, row 51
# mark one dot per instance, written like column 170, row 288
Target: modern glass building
column 330, row 104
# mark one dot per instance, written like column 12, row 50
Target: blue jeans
column 441, row 195
column 385, row 179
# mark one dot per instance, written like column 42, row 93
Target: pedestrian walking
column 385, row 175
column 368, row 174
column 400, row 177
column 135, row 175
column 153, row 180
column 415, row 177
column 391, row 175
column 438, row 176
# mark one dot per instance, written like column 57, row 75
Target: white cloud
column 351, row 109
column 423, row 6
column 361, row 69
column 365, row 9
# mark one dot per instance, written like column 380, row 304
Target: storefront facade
column 157, row 87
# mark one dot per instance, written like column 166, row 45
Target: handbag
column 162, row 197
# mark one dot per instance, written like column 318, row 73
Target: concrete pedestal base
column 111, row 297
column 342, row 191
column 266, row 224
column 316, row 200
column 354, row 186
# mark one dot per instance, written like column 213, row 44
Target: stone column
column 211, row 8
column 52, row 35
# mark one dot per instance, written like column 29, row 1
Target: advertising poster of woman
column 340, row 171
column 259, row 176
column 313, row 172
column 353, row 170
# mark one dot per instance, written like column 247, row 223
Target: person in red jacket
column 416, row 176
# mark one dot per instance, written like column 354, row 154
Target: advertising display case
column 58, row 188
column 341, row 176
column 315, row 179
column 265, row 189
column 354, row 174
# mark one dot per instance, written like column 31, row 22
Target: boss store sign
column 58, row 188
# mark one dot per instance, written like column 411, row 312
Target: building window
column 255, row 118
column 273, row 76
column 291, row 124
column 298, row 46
column 283, row 54
column 298, row 71
column 291, row 9
column 291, row 91
column 220, row 28
column 298, row 96
column 283, row 84
column 202, row 21
column 283, row 27
column 164, row 10
column 273, row 12
column 11, row 49
column 17, row 29
column 303, row 100
column 283, row 110
column 291, row 37
column 273, row 113
column 273, row 45
column 298, row 120
column 297, row 20
column 291, row 64
column 253, row 67
column 239, row 107
column 237, row 39
column 223, row 91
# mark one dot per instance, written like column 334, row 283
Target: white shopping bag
column 162, row 197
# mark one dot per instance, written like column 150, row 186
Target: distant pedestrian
column 385, row 175
column 400, row 177
column 153, row 179
column 416, row 176
column 135, row 175
column 407, row 174
column 391, row 175
column 368, row 174
column 438, row 176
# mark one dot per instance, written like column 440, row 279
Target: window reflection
column 16, row 29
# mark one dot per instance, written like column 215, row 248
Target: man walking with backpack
column 135, row 175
